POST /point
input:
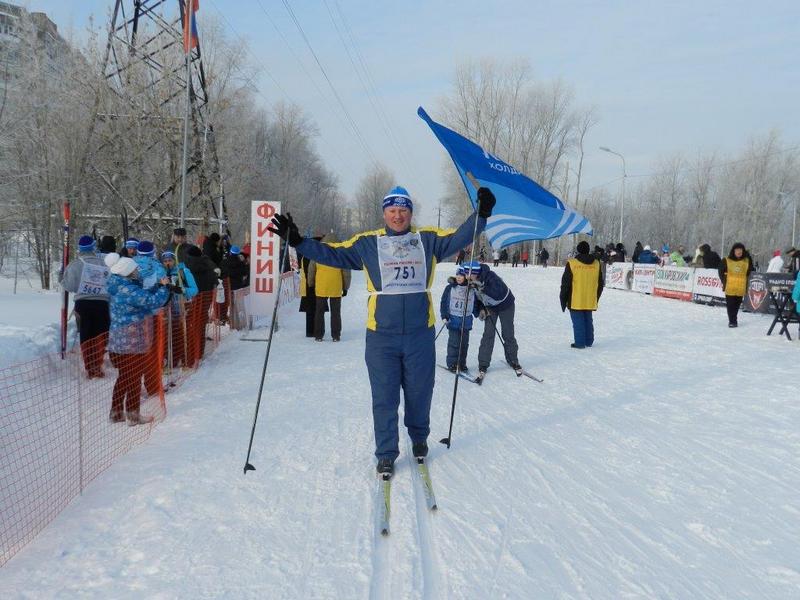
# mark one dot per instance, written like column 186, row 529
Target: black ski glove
column 344, row 293
column 486, row 202
column 285, row 228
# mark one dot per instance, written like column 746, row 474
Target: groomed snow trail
column 662, row 463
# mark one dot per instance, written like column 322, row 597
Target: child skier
column 452, row 309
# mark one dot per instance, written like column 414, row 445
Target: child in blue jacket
column 452, row 310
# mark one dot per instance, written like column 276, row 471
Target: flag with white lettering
column 524, row 209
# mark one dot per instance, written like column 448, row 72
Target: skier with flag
column 399, row 261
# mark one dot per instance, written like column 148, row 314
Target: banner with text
column 643, row 278
column 760, row 285
column 707, row 287
column 619, row 276
column 265, row 251
column 673, row 282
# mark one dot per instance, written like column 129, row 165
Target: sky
column 664, row 77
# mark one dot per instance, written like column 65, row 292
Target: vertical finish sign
column 265, row 251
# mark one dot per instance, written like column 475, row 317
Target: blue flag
column 524, row 209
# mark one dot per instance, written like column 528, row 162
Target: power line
column 299, row 61
column 249, row 79
column 353, row 124
column 369, row 87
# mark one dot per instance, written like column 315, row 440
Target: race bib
column 93, row 280
column 402, row 261
column 457, row 296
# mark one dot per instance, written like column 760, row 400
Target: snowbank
column 29, row 322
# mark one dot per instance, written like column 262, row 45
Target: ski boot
column 385, row 468
column 420, row 449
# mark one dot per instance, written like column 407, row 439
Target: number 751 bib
column 402, row 261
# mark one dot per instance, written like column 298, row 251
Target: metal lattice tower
column 135, row 141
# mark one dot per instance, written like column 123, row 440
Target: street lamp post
column 624, row 177
column 794, row 213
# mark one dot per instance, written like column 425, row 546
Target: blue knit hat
column 235, row 250
column 168, row 254
column 131, row 242
column 473, row 267
column 146, row 248
column 86, row 243
column 398, row 196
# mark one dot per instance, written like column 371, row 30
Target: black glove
column 486, row 202
column 344, row 293
column 285, row 228
column 175, row 289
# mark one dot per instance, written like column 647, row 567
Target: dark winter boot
column 420, row 449
column 385, row 467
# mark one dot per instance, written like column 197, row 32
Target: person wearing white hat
column 131, row 334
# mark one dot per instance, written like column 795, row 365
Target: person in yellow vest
column 581, row 286
column 330, row 284
column 734, row 272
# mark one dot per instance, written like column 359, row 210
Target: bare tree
column 369, row 196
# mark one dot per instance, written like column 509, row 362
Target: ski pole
column 447, row 440
column 440, row 330
column 247, row 465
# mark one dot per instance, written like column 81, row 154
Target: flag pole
column 188, row 48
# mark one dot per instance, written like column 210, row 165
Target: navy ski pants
column 396, row 361
column 582, row 327
column 453, row 339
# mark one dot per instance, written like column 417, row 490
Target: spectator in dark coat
column 212, row 248
column 544, row 256
column 711, row 259
column 206, row 275
column 234, row 268
column 636, row 252
column 621, row 252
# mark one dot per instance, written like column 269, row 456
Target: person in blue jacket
column 150, row 270
column 184, row 288
column 495, row 303
column 131, row 335
column 399, row 261
column 647, row 257
column 454, row 296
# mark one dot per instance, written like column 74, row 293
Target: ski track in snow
column 662, row 463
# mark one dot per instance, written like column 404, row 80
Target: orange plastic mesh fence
column 63, row 422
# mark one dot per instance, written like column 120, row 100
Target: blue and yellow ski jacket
column 393, row 313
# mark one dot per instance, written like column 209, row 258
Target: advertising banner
column 674, row 282
column 619, row 276
column 265, row 250
column 643, row 278
column 757, row 298
column 707, row 287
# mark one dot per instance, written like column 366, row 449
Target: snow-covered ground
column 662, row 463
column 30, row 319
